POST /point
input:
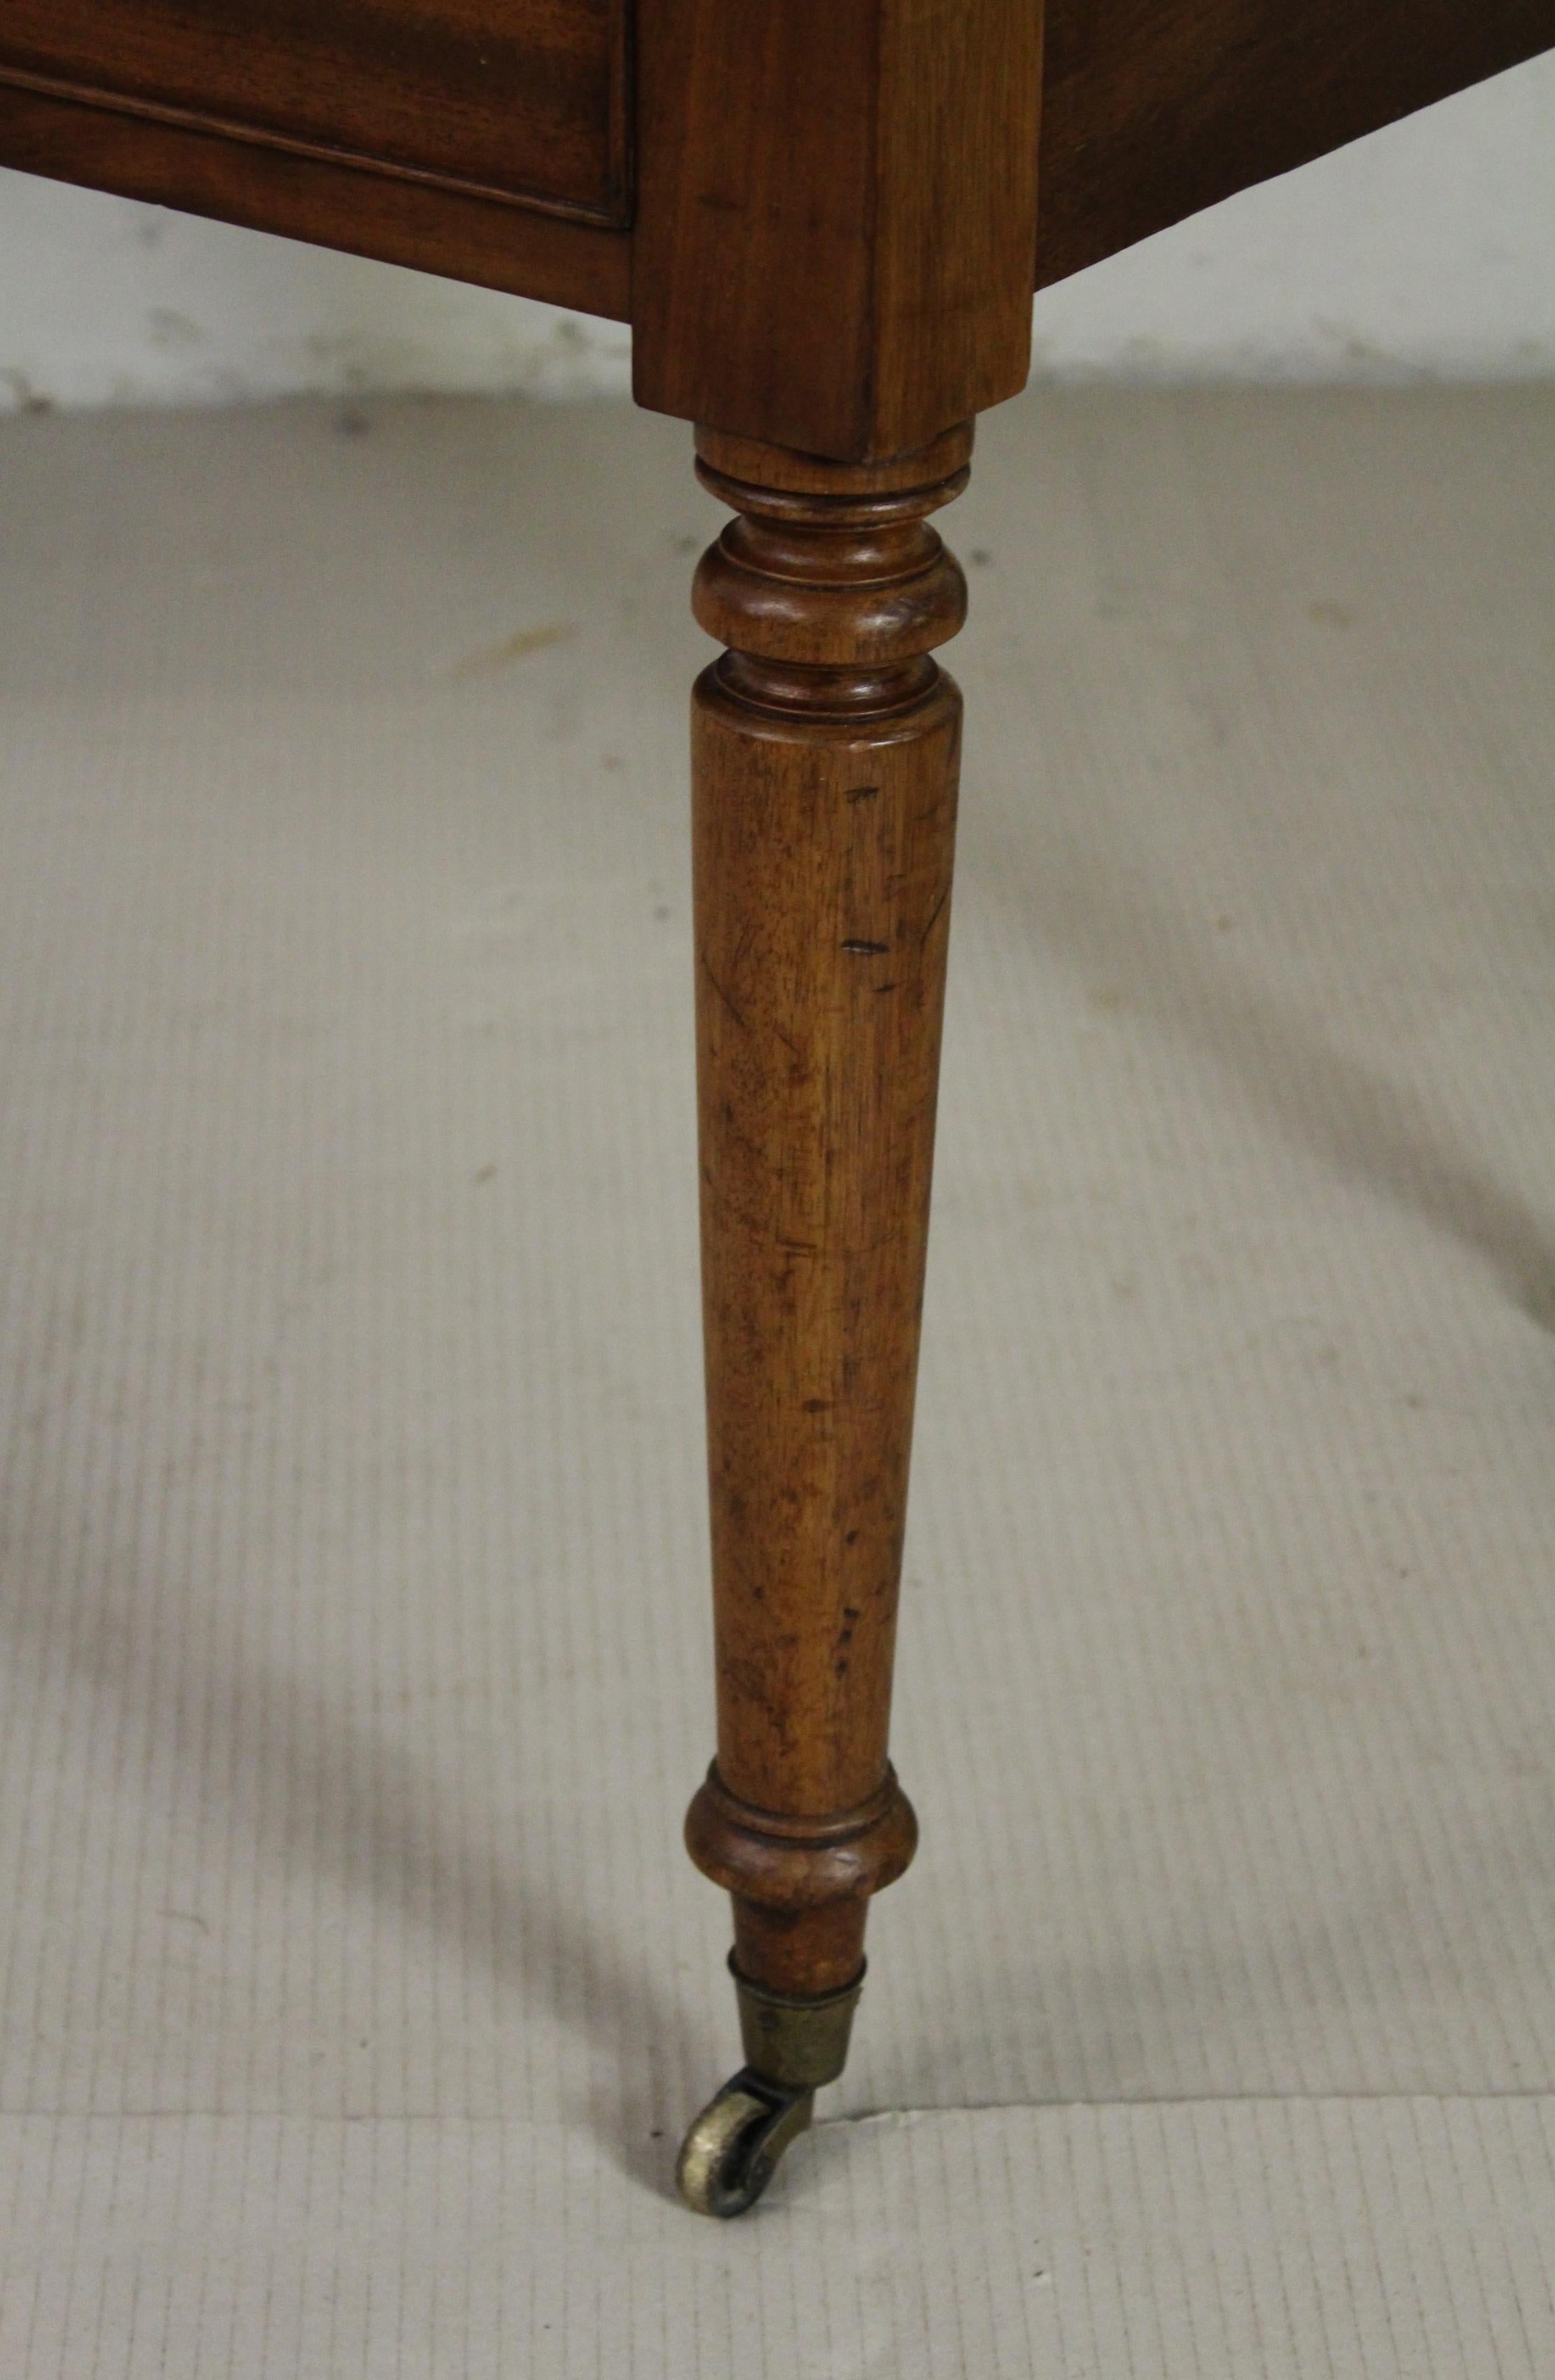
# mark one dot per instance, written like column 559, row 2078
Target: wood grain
column 503, row 247
column 1153, row 109
column 529, row 101
column 836, row 216
column 825, row 752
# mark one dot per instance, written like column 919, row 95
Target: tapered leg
column 825, row 748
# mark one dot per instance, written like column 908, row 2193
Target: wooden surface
column 825, row 753
column 527, row 101
column 1154, row 108
column 835, row 215
column 399, row 220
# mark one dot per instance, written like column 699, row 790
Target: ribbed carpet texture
column 354, row 1641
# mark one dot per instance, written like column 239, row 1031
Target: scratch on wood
column 935, row 916
column 722, row 994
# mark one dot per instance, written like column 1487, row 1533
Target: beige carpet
column 354, row 1986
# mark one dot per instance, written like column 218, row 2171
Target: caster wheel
column 731, row 2152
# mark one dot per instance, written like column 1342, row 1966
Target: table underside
column 497, row 146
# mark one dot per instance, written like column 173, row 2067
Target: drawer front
column 519, row 99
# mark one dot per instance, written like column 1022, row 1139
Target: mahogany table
column 823, row 220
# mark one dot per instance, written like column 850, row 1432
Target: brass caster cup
column 799, row 2045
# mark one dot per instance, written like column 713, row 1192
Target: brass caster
column 791, row 2047
column 732, row 2151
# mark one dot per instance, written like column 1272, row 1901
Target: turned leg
column 825, row 749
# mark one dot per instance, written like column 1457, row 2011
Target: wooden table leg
column 825, row 750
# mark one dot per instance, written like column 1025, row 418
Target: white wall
column 1427, row 250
